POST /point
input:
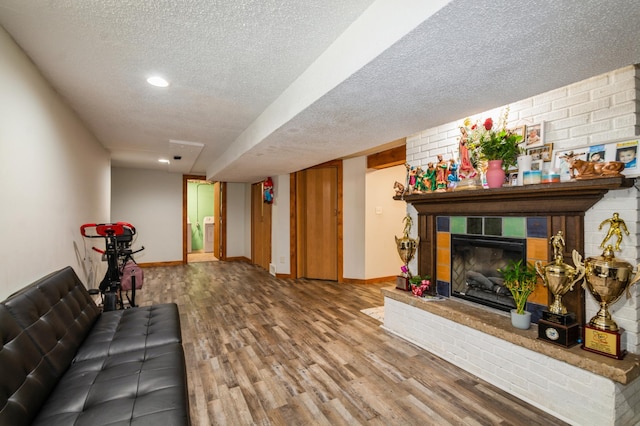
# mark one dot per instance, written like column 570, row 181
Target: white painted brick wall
column 570, row 393
column 601, row 109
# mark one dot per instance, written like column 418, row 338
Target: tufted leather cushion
column 26, row 379
column 143, row 387
column 131, row 329
column 57, row 312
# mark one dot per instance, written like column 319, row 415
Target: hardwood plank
column 270, row 351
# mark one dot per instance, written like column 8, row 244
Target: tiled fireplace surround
column 575, row 385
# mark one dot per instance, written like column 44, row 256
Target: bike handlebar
column 106, row 229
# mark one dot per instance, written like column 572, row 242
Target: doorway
column 201, row 220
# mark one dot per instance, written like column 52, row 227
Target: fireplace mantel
column 574, row 197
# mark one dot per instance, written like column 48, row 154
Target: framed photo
column 521, row 131
column 596, row 154
column 537, row 165
column 627, row 152
column 534, row 135
column 561, row 164
column 544, row 152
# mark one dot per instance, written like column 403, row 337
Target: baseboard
column 283, row 275
column 391, row 279
column 237, row 259
column 154, row 264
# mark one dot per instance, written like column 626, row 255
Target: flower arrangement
column 420, row 285
column 490, row 142
column 521, row 280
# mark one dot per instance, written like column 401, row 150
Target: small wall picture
column 534, row 135
column 627, row 152
column 541, row 153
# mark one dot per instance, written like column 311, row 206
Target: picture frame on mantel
column 534, row 135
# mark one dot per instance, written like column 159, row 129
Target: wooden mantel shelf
column 573, row 197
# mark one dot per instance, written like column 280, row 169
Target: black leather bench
column 64, row 362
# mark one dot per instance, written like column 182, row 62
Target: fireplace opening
column 474, row 264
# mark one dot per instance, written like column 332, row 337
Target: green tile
column 514, row 227
column 458, row 225
column 474, row 225
column 493, row 226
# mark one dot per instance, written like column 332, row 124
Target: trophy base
column 559, row 333
column 562, row 319
column 402, row 283
column 603, row 342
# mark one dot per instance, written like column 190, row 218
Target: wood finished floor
column 269, row 351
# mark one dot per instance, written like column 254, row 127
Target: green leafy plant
column 521, row 279
column 491, row 142
column 417, row 279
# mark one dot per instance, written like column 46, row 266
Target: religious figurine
column 467, row 171
column 411, row 179
column 441, row 174
column 430, row 177
column 421, row 183
column 616, row 227
column 452, row 177
column 399, row 188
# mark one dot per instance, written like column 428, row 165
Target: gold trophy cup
column 557, row 325
column 406, row 247
column 607, row 278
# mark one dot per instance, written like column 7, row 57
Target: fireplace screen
column 474, row 264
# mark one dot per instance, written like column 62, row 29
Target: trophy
column 557, row 325
column 607, row 278
column 406, row 249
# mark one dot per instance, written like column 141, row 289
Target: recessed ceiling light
column 164, row 160
column 157, row 81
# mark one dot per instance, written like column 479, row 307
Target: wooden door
column 317, row 194
column 219, row 228
column 260, row 228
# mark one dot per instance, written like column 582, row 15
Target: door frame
column 221, row 220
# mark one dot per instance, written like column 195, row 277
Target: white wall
column 383, row 220
column 353, row 205
column 152, row 202
column 238, row 220
column 371, row 219
column 54, row 176
column 280, row 225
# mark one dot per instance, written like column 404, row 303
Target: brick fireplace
column 576, row 386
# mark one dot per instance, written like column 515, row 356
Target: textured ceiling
column 267, row 87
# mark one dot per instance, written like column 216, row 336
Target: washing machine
column 189, row 231
column 208, row 234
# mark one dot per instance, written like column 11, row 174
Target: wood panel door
column 318, row 223
column 260, row 228
column 219, row 224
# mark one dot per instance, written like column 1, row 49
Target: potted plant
column 521, row 279
column 421, row 285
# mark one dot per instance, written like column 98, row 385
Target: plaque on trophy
column 406, row 247
column 557, row 325
column 607, row 278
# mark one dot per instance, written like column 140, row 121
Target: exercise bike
column 118, row 254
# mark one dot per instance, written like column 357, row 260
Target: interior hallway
column 263, row 350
